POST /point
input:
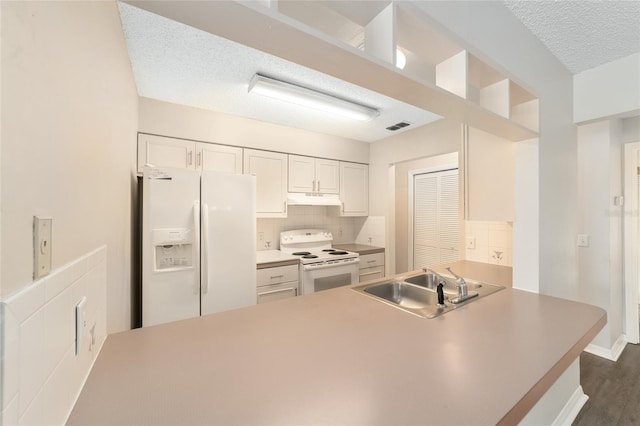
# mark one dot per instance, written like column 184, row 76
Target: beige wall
column 402, row 202
column 438, row 138
column 166, row 119
column 69, row 122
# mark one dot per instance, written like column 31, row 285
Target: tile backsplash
column 344, row 229
column 41, row 375
column 493, row 242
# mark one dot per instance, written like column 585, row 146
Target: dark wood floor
column 613, row 389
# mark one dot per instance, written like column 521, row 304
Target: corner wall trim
column 571, row 409
column 611, row 354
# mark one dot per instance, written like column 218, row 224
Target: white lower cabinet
column 371, row 266
column 280, row 282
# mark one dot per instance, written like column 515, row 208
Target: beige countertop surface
column 273, row 258
column 360, row 248
column 339, row 357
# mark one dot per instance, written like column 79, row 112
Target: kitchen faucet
column 463, row 294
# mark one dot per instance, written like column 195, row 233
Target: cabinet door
column 327, row 176
column 161, row 151
column 354, row 189
column 270, row 169
column 301, row 174
column 219, row 158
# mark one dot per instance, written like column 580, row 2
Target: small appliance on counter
column 321, row 266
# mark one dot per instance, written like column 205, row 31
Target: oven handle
column 330, row 265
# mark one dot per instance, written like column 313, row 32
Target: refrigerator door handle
column 196, row 239
column 205, row 249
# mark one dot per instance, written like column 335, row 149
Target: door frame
column 410, row 188
column 631, row 249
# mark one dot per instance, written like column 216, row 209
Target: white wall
column 494, row 34
column 68, row 140
column 600, row 264
column 166, row 119
column 612, row 89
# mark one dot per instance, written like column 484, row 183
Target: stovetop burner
column 337, row 252
column 309, row 256
column 328, row 250
column 301, row 253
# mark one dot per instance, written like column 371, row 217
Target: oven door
column 318, row 277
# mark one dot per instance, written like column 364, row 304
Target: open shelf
column 357, row 42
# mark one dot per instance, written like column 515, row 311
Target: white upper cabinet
column 219, row 158
column 161, row 151
column 354, row 189
column 308, row 174
column 270, row 169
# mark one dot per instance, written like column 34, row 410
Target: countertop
column 274, row 258
column 359, row 248
column 340, row 357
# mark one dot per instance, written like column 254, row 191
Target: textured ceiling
column 582, row 34
column 176, row 63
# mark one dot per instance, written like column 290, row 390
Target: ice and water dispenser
column 173, row 249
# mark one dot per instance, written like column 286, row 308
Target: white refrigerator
column 198, row 243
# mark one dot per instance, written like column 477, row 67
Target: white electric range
column 321, row 266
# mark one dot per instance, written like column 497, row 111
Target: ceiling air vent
column 398, row 126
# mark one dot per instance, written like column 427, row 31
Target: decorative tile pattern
column 493, row 242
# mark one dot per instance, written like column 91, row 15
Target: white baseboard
column 611, row 354
column 571, row 409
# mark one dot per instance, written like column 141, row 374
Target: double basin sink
column 418, row 294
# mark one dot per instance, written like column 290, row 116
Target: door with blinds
column 436, row 221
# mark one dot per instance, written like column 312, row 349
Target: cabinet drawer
column 271, row 293
column 374, row 273
column 280, row 274
column 371, row 260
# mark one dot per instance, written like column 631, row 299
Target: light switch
column 81, row 322
column 583, row 240
column 41, row 246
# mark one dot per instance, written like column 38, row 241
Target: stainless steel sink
column 430, row 280
column 417, row 294
column 403, row 294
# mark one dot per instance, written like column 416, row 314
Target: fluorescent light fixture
column 310, row 98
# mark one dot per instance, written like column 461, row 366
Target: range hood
column 312, row 199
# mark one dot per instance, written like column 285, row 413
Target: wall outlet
column 583, row 240
column 471, row 243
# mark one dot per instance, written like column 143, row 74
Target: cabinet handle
column 276, row 276
column 285, row 206
column 371, row 261
column 318, row 186
column 190, row 159
column 313, row 186
column 199, row 159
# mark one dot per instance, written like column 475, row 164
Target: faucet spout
column 463, row 294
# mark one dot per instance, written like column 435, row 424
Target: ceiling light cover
column 310, row 98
